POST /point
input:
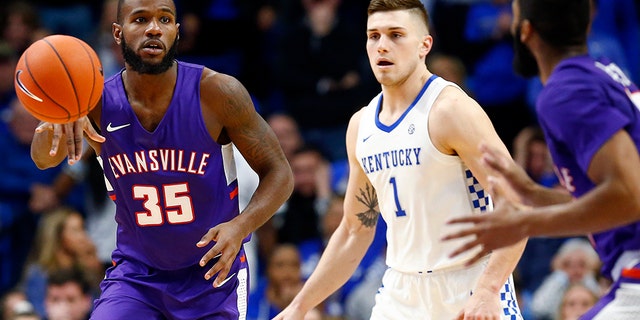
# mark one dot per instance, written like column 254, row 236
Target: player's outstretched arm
column 349, row 242
column 613, row 202
column 514, row 183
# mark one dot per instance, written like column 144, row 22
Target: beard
column 138, row 65
column 524, row 63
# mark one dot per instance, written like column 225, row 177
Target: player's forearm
column 500, row 267
column 609, row 205
column 40, row 147
column 338, row 262
column 273, row 190
column 538, row 196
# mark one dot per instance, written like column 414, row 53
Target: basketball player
column 413, row 156
column 167, row 130
column 588, row 110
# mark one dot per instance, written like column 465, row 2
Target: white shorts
column 625, row 304
column 622, row 301
column 435, row 295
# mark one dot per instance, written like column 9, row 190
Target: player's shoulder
column 218, row 84
column 452, row 102
column 578, row 71
column 354, row 121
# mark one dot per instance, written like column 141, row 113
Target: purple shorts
column 131, row 288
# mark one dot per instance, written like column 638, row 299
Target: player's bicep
column 230, row 116
column 361, row 201
column 617, row 160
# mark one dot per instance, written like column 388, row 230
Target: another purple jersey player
column 589, row 111
column 167, row 133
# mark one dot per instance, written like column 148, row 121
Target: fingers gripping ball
column 59, row 79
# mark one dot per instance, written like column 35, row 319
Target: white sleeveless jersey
column 418, row 187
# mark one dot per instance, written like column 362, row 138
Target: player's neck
column 149, row 84
column 401, row 95
column 549, row 59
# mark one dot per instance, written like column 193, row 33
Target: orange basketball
column 59, row 79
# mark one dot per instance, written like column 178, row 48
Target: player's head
column 560, row 24
column 398, row 39
column 147, row 32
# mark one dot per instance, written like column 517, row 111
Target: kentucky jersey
column 418, row 187
column 584, row 103
column 170, row 185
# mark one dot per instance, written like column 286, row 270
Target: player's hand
column 73, row 133
column 500, row 228
column 290, row 313
column 510, row 180
column 228, row 239
column 482, row 305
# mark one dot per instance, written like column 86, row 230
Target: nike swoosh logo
column 116, row 128
column 226, row 280
column 367, row 138
column 24, row 89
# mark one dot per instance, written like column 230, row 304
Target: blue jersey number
column 399, row 211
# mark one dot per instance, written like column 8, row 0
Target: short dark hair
column 392, row 5
column 70, row 275
column 561, row 23
column 119, row 16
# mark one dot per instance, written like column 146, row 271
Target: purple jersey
column 584, row 103
column 170, row 185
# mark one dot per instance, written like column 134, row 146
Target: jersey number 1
column 399, row 211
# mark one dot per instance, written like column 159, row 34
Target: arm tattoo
column 368, row 197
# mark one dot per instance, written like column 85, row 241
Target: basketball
column 59, row 79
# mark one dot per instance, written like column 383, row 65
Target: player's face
column 148, row 35
column 140, row 65
column 524, row 62
column 397, row 44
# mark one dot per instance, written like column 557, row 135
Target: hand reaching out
column 509, row 179
column 500, row 228
column 508, row 185
column 73, row 133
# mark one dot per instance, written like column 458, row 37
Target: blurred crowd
column 305, row 65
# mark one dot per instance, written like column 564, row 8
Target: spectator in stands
column 21, row 183
column 8, row 61
column 20, row 25
column 68, row 295
column 324, row 75
column 575, row 262
column 576, row 300
column 282, row 282
column 493, row 83
column 61, row 243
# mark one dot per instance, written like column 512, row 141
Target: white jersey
column 418, row 187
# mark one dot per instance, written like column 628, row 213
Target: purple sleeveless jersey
column 583, row 104
column 170, row 185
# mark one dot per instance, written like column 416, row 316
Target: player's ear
column 525, row 30
column 116, row 31
column 425, row 45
